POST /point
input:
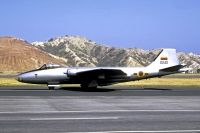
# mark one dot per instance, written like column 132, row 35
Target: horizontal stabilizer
column 172, row 68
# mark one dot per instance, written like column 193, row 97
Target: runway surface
column 104, row 91
column 112, row 109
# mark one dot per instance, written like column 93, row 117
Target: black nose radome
column 19, row 78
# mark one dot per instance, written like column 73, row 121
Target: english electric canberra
column 91, row 77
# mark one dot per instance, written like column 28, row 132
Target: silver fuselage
column 164, row 64
column 68, row 75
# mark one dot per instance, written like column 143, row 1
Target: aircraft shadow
column 87, row 89
column 79, row 89
column 162, row 89
column 111, row 89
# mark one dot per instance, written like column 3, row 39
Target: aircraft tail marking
column 166, row 58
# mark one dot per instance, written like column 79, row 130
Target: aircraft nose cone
column 19, row 78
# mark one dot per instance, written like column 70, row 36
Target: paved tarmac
column 104, row 91
column 111, row 109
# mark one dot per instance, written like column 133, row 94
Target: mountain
column 192, row 60
column 18, row 55
column 79, row 51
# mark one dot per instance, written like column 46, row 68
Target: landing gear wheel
column 86, row 87
column 51, row 88
column 92, row 84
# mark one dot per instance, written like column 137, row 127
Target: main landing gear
column 91, row 85
column 52, row 87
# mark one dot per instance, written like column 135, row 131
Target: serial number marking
column 163, row 62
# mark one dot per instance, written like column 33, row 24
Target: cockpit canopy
column 49, row 66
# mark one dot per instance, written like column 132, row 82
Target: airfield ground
column 161, row 105
column 106, row 110
column 177, row 80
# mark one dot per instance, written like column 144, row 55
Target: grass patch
column 13, row 82
column 9, row 72
column 154, row 82
column 180, row 75
column 164, row 82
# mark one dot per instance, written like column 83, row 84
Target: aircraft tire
column 85, row 86
column 51, row 88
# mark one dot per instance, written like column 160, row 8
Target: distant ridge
column 18, row 55
column 79, row 51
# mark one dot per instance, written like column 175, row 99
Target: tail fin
column 166, row 58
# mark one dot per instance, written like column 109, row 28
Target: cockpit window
column 49, row 66
column 43, row 67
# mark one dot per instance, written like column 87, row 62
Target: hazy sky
column 144, row 24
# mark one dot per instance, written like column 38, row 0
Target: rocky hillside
column 79, row 51
column 192, row 60
column 18, row 55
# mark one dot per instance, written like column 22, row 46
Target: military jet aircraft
column 165, row 63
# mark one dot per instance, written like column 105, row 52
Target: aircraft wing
column 101, row 72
